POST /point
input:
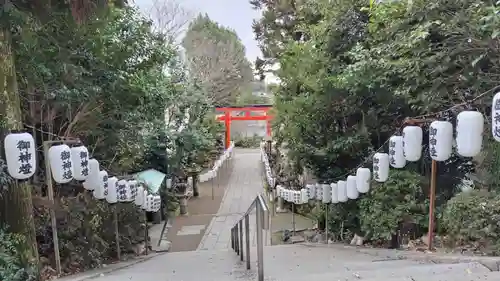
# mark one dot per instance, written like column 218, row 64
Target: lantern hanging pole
column 326, row 223
column 432, row 200
column 117, row 233
column 50, row 193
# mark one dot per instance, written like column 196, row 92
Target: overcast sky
column 235, row 14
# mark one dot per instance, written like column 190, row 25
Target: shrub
column 389, row 205
column 10, row 263
column 472, row 217
column 248, row 142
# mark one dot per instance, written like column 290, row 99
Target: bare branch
column 170, row 18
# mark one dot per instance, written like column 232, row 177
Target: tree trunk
column 16, row 206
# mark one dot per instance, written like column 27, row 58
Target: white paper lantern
column 412, row 143
column 352, row 191
column 168, row 183
column 80, row 158
column 363, row 176
column 139, row 199
column 327, row 196
column 101, row 189
column 470, row 127
column 334, row 193
column 60, row 163
column 312, row 191
column 495, row 117
column 20, row 152
column 144, row 205
column 297, row 197
column 133, row 189
column 342, row 191
column 304, row 194
column 380, row 167
column 396, row 153
column 112, row 196
column 319, row 192
column 149, row 203
column 440, row 140
column 156, row 203
column 93, row 177
column 123, row 191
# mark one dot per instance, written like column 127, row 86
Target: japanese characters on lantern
column 112, row 196
column 396, row 154
column 60, row 163
column 380, row 167
column 101, row 190
column 412, row 143
column 123, row 191
column 495, row 117
column 319, row 192
column 80, row 159
column 470, row 126
column 440, row 140
column 20, row 154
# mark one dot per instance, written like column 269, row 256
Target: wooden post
column 432, row 201
column 117, row 233
column 50, row 193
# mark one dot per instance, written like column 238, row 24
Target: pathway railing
column 243, row 225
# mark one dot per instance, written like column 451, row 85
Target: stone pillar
column 196, row 193
column 183, row 203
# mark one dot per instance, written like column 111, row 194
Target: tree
column 216, row 58
column 170, row 18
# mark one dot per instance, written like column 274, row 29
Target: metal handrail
column 262, row 218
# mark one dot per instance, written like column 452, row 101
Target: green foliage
column 248, row 142
column 11, row 268
column 389, row 205
column 472, row 218
column 217, row 60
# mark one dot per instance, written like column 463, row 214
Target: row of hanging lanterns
column 228, row 153
column 74, row 163
column 402, row 149
column 267, row 166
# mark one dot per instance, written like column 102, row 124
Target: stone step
column 424, row 272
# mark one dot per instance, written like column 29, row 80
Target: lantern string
column 424, row 116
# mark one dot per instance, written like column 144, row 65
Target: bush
column 392, row 205
column 10, row 263
column 248, row 142
column 472, row 218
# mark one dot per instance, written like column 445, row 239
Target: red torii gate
column 247, row 109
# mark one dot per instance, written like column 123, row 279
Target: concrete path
column 244, row 185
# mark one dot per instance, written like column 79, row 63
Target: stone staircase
column 298, row 263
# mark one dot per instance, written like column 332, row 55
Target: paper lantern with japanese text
column 342, row 191
column 297, row 197
column 440, row 140
column 495, row 117
column 149, row 203
column 156, row 203
column 304, row 194
column 133, row 189
column 327, row 193
column 396, row 152
column 352, row 191
column 93, row 177
column 123, row 191
column 101, row 189
column 112, row 196
column 144, row 205
column 20, row 152
column 312, row 191
column 334, row 192
column 363, row 176
column 61, row 165
column 319, row 192
column 470, row 126
column 80, row 158
column 412, row 143
column 140, row 193
column 381, row 167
